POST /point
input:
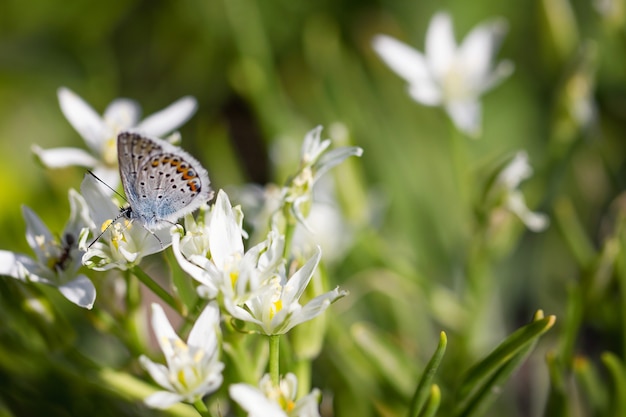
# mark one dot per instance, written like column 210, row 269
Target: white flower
column 276, row 308
column 121, row 243
column 449, row 75
column 193, row 368
column 509, row 180
column 57, row 258
column 271, row 401
column 229, row 271
column 100, row 133
column 315, row 160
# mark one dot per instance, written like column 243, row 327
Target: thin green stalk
column 458, row 150
column 202, row 408
column 157, row 289
column 131, row 318
column 290, row 228
column 274, row 359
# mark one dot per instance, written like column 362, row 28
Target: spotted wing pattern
column 161, row 181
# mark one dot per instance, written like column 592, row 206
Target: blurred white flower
column 212, row 252
column 276, row 308
column 509, row 180
column 120, row 242
column 275, row 401
column 448, row 75
column 193, row 368
column 100, row 133
column 57, row 258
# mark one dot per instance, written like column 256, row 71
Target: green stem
column 290, row 228
column 202, row 408
column 274, row 359
column 157, row 289
column 458, row 149
column 303, row 373
column 131, row 318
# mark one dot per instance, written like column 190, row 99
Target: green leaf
column 593, row 385
column 480, row 384
column 434, row 398
column 424, row 390
column 618, row 373
column 558, row 404
column 574, row 233
column 381, row 351
column 488, row 392
column 572, row 322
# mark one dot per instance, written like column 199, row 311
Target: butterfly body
column 161, row 181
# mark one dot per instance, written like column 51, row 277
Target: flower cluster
column 259, row 284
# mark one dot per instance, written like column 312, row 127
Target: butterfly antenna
column 107, row 185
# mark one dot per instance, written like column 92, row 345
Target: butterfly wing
column 133, row 150
column 162, row 182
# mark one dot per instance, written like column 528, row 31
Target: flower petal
column 334, row 157
column 36, row 232
column 479, row 47
column 163, row 331
column 402, row 59
column 515, row 172
column 299, row 280
column 427, row 93
column 254, row 402
column 536, row 222
column 11, row 264
column 157, row 371
column 83, row 118
column 163, row 399
column 466, row 116
column 170, row 118
column 100, row 204
column 80, row 291
column 64, row 157
column 501, row 71
column 204, row 332
column 314, row 308
column 79, row 216
column 192, row 269
column 440, row 44
column 121, row 114
column 308, row 405
column 224, row 232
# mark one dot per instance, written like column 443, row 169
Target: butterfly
column 161, row 181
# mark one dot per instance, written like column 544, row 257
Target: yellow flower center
column 278, row 305
column 105, row 225
column 234, row 275
column 455, row 84
column 117, row 231
column 287, row 404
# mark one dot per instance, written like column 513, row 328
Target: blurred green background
column 265, row 73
